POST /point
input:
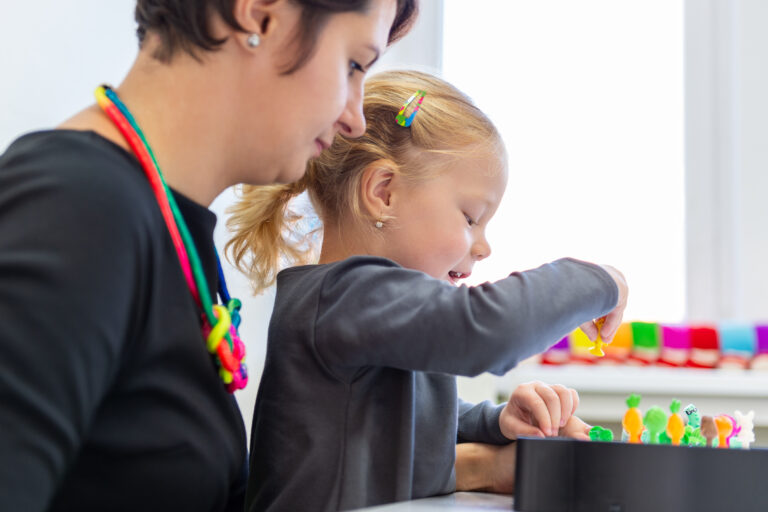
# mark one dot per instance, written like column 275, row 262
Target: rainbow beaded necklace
column 219, row 323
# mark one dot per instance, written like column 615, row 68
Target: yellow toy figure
column 675, row 426
column 597, row 349
column 633, row 419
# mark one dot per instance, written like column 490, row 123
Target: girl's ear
column 376, row 188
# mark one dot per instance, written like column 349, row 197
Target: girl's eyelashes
column 355, row 66
column 469, row 220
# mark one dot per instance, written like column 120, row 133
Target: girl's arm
column 480, row 423
column 485, row 467
column 491, row 468
column 372, row 312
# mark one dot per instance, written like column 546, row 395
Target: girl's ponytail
column 265, row 236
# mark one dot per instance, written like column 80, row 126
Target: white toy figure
column 746, row 423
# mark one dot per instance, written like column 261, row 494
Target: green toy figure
column 693, row 415
column 598, row 433
column 655, row 422
column 692, row 434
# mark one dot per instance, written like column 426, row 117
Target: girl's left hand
column 537, row 409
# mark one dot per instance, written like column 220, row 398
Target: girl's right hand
column 614, row 318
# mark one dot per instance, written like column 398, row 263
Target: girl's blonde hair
column 448, row 124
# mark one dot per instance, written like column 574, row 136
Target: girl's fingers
column 553, row 414
column 566, row 405
column 576, row 429
column 574, row 400
column 590, row 329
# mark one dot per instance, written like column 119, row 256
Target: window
column 588, row 97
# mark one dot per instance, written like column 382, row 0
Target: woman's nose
column 351, row 123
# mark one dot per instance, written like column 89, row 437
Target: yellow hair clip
column 404, row 120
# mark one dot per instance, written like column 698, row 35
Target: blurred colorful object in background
column 727, row 345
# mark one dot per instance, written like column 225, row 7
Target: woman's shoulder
column 57, row 169
column 83, row 159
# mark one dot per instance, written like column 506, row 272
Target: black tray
column 565, row 475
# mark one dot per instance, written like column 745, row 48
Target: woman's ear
column 260, row 18
column 376, row 188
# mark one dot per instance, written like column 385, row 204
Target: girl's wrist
column 474, row 467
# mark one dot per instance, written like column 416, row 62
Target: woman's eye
column 354, row 66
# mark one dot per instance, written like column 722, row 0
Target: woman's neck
column 183, row 115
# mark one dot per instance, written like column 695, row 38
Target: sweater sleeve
column 66, row 262
column 372, row 312
column 479, row 423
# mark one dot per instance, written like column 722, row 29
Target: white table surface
column 458, row 502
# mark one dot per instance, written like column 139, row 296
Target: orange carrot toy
column 675, row 426
column 633, row 419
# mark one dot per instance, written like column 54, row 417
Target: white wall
column 54, row 54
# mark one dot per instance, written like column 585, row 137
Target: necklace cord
column 218, row 322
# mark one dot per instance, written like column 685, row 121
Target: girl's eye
column 354, row 66
column 469, row 220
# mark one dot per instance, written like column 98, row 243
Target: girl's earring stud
column 253, row 40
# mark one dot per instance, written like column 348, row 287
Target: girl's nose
column 481, row 249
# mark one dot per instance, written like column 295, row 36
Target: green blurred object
column 598, row 433
column 645, row 335
column 655, row 421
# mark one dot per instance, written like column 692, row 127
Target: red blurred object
column 705, row 347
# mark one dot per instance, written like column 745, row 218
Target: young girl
column 358, row 402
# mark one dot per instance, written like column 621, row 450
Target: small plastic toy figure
column 734, row 431
column 598, row 433
column 655, row 421
column 693, row 437
column 597, row 349
column 724, row 429
column 633, row 419
column 746, row 434
column 708, row 429
column 675, row 426
column 694, row 416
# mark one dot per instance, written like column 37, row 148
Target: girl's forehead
column 475, row 165
column 483, row 178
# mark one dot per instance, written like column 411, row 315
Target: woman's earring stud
column 379, row 224
column 253, row 40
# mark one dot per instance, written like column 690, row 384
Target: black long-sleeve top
column 108, row 397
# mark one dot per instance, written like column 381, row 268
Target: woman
column 110, row 399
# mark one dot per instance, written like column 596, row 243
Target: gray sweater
column 357, row 405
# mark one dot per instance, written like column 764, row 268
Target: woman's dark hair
column 185, row 24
